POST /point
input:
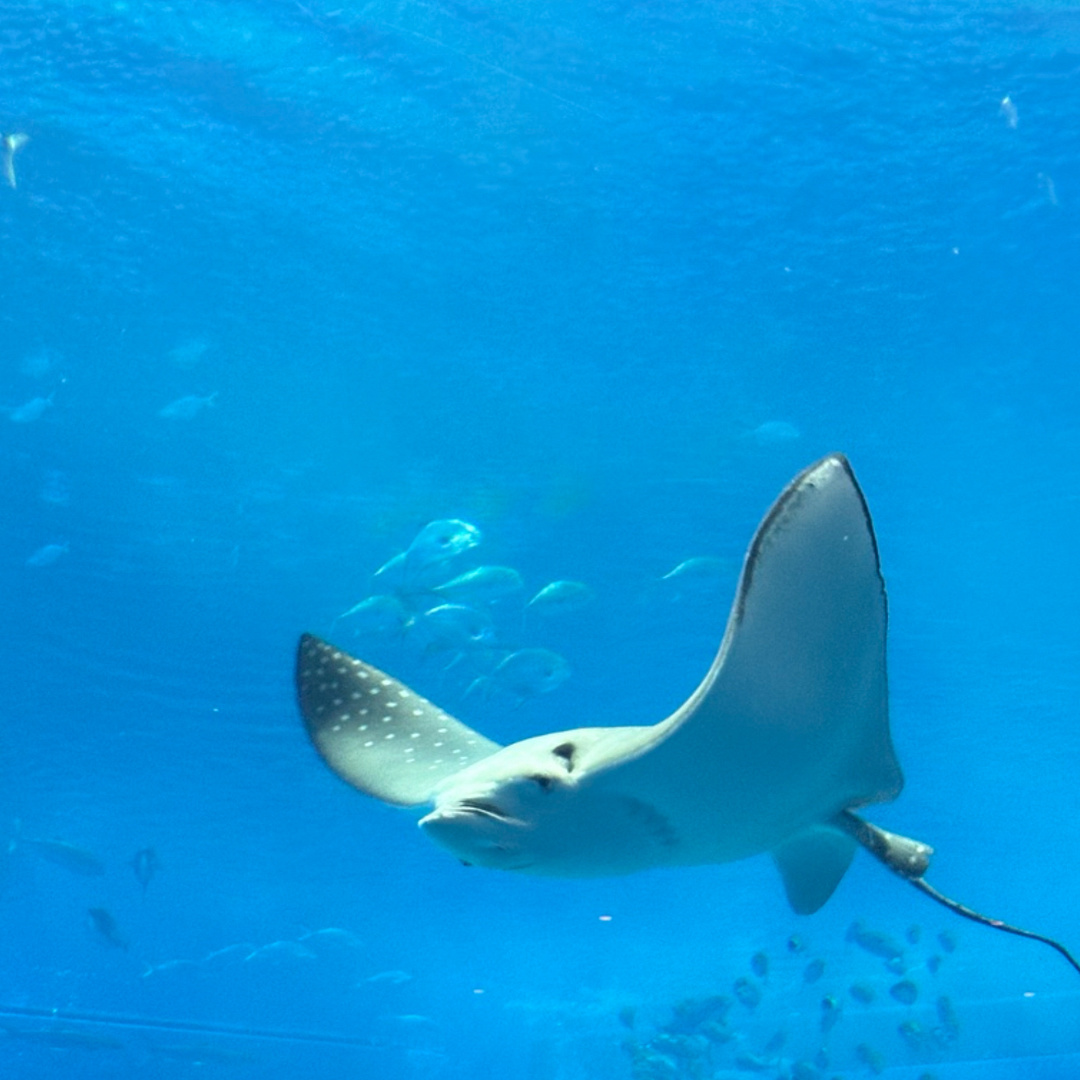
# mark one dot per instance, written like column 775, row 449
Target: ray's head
column 535, row 807
column 507, row 811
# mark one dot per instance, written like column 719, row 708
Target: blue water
column 599, row 278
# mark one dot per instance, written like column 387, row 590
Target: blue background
column 549, row 268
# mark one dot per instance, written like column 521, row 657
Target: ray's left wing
column 376, row 733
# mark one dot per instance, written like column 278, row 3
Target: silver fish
column 145, row 864
column 485, row 584
column 12, row 144
column 871, row 1058
column 875, row 942
column 187, row 407
column 526, row 673
column 439, row 541
column 452, row 627
column 394, row 977
column 380, row 614
column 31, row 410
column 773, row 432
column 104, row 923
column 47, row 555
column 561, row 598
column 747, row 992
column 280, row 952
column 71, row 857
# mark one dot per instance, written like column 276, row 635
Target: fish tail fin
column 484, row 685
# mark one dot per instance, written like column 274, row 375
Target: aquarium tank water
column 470, row 342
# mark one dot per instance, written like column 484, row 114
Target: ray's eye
column 545, row 783
column 566, row 751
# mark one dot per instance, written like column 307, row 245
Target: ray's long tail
column 910, row 860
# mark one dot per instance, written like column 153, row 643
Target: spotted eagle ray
column 785, row 737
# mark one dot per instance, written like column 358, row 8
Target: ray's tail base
column 910, row 860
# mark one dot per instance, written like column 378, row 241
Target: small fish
column 701, row 573
column 913, row 1034
column 30, row 410
column 331, row 939
column 862, row 993
column 377, row 615
column 830, row 1013
column 452, row 627
column 280, row 952
column 561, row 598
column 759, row 965
column 906, row 992
column 145, row 864
column 947, row 940
column 393, row 978
column 813, row 971
column 12, row 145
column 795, row 944
column 773, row 432
column 933, row 963
column 628, row 1016
column 689, row 1014
column 896, row 965
column 716, row 1031
column 104, row 923
column 871, row 1058
column 439, row 542
column 414, row 1020
column 752, row 1062
column 229, row 955
column 47, row 555
column 1007, row 108
column 1048, row 188
column 949, row 1031
column 748, row 993
column 874, row 942
column 60, row 853
column 169, row 967
column 189, row 353
column 485, row 584
column 526, row 673
column 187, row 407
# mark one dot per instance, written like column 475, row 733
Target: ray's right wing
column 791, row 722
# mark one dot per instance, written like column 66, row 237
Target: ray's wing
column 791, row 723
column 376, row 733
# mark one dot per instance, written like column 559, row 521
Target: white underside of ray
column 790, row 725
column 788, row 728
